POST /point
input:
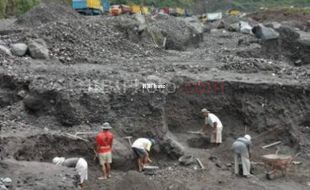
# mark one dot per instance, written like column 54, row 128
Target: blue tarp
column 79, row 4
column 106, row 5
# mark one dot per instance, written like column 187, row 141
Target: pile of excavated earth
column 62, row 74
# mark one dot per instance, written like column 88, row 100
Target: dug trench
column 269, row 112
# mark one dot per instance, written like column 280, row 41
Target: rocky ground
column 78, row 72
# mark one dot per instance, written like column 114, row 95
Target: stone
column 288, row 34
column 186, row 160
column 274, row 25
column 235, row 27
column 172, row 148
column 7, row 181
column 2, row 187
column 265, row 33
column 245, row 27
column 221, row 24
column 38, row 49
column 141, row 20
column 19, row 49
column 122, row 156
column 5, row 50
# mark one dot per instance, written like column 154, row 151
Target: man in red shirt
column 104, row 141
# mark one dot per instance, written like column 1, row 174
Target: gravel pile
column 46, row 13
column 247, row 65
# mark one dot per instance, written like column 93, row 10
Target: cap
column 58, row 160
column 204, row 110
column 247, row 137
column 106, row 125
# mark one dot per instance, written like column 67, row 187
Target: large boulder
column 172, row 147
column 5, row 50
column 19, row 49
column 38, row 49
column 265, row 33
column 288, row 34
column 122, row 156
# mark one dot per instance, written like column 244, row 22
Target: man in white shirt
column 141, row 148
column 80, row 164
column 213, row 122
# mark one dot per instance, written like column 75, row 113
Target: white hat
column 204, row 110
column 106, row 125
column 58, row 160
column 248, row 137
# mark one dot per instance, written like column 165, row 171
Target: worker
column 213, row 122
column 79, row 164
column 141, row 148
column 241, row 148
column 104, row 141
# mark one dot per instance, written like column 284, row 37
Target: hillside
column 201, row 6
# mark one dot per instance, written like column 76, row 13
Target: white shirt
column 142, row 143
column 211, row 119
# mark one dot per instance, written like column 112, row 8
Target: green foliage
column 18, row 7
column 2, row 8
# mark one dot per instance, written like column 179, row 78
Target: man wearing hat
column 104, row 141
column 241, row 148
column 80, row 165
column 214, row 122
column 141, row 148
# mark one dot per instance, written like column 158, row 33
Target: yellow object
column 145, row 10
column 139, row 9
column 135, row 9
column 180, row 12
column 234, row 12
column 95, row 4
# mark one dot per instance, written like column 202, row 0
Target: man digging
column 141, row 148
column 79, row 164
column 241, row 148
column 104, row 141
column 213, row 122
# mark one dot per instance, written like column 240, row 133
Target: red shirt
column 104, row 142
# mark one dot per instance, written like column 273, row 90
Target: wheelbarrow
column 275, row 163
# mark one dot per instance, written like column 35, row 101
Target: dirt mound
column 92, row 40
column 46, row 13
column 137, row 181
column 179, row 35
column 163, row 30
column 37, row 175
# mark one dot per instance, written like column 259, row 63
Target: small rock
column 21, row 93
column 5, row 50
column 19, row 49
column 7, row 181
column 186, row 160
column 298, row 62
column 235, row 27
